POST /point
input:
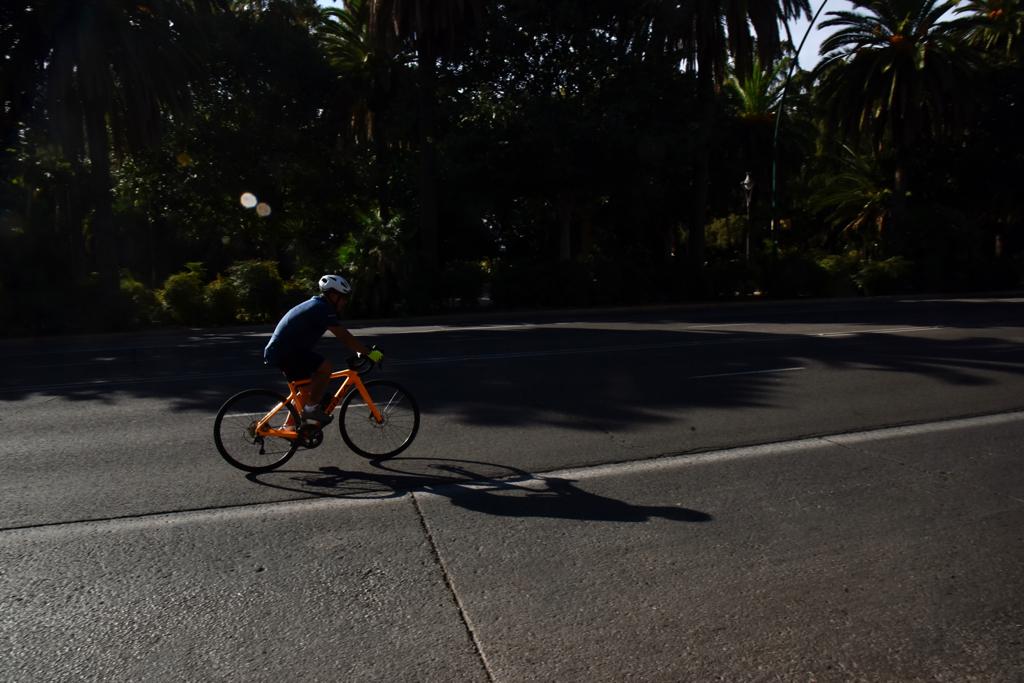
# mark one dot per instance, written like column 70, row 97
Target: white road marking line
column 538, row 482
column 716, row 325
column 892, row 330
column 749, row 372
column 780, row 448
column 169, row 520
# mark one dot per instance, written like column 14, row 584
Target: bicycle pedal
column 311, row 436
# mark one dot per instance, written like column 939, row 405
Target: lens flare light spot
column 248, row 200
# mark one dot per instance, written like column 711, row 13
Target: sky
column 809, row 55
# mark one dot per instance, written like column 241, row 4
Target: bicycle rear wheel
column 370, row 439
column 235, row 431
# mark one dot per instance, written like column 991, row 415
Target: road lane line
column 749, row 372
column 671, row 461
column 209, row 515
column 681, row 460
column 892, row 330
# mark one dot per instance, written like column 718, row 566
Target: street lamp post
column 748, row 189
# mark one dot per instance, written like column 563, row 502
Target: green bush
column 138, row 305
column 890, row 276
column 727, row 233
column 385, row 274
column 220, row 301
column 182, row 297
column 259, row 288
column 296, row 291
column 841, row 269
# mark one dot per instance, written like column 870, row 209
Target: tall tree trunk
column 428, row 160
column 701, row 181
column 380, row 173
column 104, row 245
column 897, row 240
column 69, row 217
column 564, row 227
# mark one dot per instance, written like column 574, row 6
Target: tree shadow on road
column 594, row 372
column 477, row 486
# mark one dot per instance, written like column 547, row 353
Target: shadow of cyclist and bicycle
column 488, row 488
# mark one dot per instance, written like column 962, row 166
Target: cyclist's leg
column 307, row 365
column 313, row 392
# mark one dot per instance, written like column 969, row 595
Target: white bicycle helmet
column 335, row 283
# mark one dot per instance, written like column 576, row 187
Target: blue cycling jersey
column 300, row 329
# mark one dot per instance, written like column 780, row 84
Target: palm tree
column 344, row 36
column 995, row 26
column 758, row 92
column 888, row 74
column 855, row 199
column 756, row 98
column 370, row 71
column 705, row 35
column 437, row 30
column 104, row 72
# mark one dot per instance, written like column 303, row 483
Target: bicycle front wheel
column 377, row 440
column 239, row 438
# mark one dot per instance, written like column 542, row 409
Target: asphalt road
column 803, row 491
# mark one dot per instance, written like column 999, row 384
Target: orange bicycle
column 258, row 430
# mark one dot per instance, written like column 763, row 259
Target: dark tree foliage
column 156, row 154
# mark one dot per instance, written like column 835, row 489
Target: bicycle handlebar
column 361, row 364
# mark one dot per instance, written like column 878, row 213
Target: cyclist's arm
column 348, row 340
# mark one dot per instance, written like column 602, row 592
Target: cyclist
column 291, row 347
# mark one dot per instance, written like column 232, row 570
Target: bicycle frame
column 351, row 381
